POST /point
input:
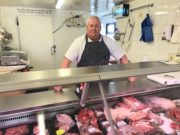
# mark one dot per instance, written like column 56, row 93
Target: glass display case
column 107, row 85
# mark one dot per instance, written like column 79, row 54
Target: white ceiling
column 98, row 7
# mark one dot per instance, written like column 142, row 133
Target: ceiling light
column 59, row 4
column 161, row 13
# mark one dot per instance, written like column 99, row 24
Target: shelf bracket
column 84, row 94
column 107, row 108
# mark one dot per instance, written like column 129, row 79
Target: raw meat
column 72, row 134
column 156, row 131
column 142, row 126
column 93, row 122
column 155, row 108
column 175, row 114
column 105, row 124
column 155, row 119
column 134, row 116
column 99, row 114
column 89, row 130
column 64, row 127
column 166, row 126
column 134, row 103
column 1, row 132
column 36, row 131
column 120, row 123
column 126, row 130
column 163, row 102
column 120, row 104
column 175, row 126
column 85, row 115
column 118, row 113
column 20, row 130
column 177, row 102
column 65, row 119
column 64, row 122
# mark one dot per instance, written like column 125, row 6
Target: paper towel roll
column 175, row 36
column 168, row 32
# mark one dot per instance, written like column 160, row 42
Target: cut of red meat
column 20, row 130
column 134, row 103
column 175, row 126
column 134, row 116
column 1, row 132
column 142, row 126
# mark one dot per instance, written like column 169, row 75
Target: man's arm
column 124, row 60
column 66, row 63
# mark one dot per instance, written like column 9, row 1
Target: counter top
column 37, row 101
column 46, row 78
column 40, row 101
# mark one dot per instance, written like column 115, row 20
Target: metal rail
column 144, row 6
column 47, row 78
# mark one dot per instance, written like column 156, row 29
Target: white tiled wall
column 158, row 49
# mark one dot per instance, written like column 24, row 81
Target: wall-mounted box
column 120, row 11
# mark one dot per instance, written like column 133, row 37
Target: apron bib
column 94, row 54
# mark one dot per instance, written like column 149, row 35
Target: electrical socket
column 78, row 22
column 70, row 22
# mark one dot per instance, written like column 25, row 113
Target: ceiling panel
column 97, row 7
column 101, row 7
column 29, row 3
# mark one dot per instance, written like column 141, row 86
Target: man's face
column 93, row 29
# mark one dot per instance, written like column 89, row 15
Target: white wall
column 159, row 49
column 65, row 35
column 8, row 21
column 62, row 38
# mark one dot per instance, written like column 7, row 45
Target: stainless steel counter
column 120, row 88
column 27, row 105
column 37, row 101
column 39, row 79
column 47, row 100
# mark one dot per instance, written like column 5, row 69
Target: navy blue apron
column 147, row 32
column 94, row 54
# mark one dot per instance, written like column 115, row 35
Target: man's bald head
column 93, row 28
column 93, row 18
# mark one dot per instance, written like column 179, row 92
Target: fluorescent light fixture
column 161, row 12
column 59, row 4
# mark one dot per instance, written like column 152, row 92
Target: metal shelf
column 47, row 78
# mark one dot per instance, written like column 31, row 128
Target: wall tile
column 158, row 49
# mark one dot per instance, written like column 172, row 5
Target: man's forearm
column 124, row 60
column 66, row 63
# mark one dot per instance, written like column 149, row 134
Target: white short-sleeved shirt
column 75, row 51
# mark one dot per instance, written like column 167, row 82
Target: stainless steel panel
column 37, row 79
column 43, row 100
column 37, row 101
column 119, row 88
column 137, row 69
column 23, row 108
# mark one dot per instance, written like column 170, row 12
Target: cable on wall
column 75, row 24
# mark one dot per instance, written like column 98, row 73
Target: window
column 110, row 28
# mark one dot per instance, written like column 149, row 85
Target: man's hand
column 57, row 88
column 132, row 79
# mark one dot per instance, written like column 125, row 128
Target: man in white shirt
column 93, row 49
